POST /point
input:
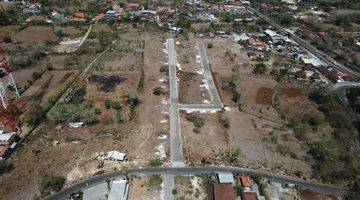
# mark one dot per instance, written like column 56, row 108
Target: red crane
column 10, row 107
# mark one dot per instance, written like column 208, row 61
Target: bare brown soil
column 264, row 96
column 35, row 35
column 311, row 195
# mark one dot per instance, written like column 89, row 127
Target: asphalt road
column 173, row 171
column 325, row 58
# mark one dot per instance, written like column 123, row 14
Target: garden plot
column 193, row 88
column 35, row 35
column 48, row 85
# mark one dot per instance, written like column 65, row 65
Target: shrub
column 158, row 90
column 71, row 113
column 260, row 68
column 116, row 105
column 199, row 122
column 209, row 45
column 5, row 167
column 225, row 121
column 36, row 75
column 97, row 111
column 53, row 183
column 7, row 39
column 164, row 68
column 196, row 130
column 156, row 163
column 107, row 103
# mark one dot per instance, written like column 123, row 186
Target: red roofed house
column 224, row 191
column 132, row 6
column 99, row 17
column 79, row 17
column 246, row 181
column 249, row 196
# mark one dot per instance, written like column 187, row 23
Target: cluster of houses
column 313, row 68
column 8, row 142
column 224, row 188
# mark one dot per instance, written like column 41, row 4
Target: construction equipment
column 11, row 105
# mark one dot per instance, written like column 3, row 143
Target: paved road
column 173, row 171
column 169, row 184
column 325, row 58
column 200, row 107
column 175, row 133
column 208, row 76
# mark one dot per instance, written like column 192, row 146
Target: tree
column 33, row 116
column 107, row 103
column 260, row 68
column 105, row 38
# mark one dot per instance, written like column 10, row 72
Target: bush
column 34, row 115
column 116, row 105
column 36, row 75
column 322, row 151
column 5, row 167
column 67, row 113
column 156, row 163
column 53, row 183
column 199, row 122
column 7, row 39
column 164, row 68
column 158, row 90
column 225, row 121
column 209, row 45
column 97, row 111
column 260, row 68
column 107, row 103
column 196, row 130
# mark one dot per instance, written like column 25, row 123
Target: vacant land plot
column 51, row 148
column 119, row 61
column 209, row 140
column 256, row 96
column 294, row 100
column 310, row 195
column 227, row 56
column 192, row 187
column 192, row 85
column 265, row 145
column 22, row 76
column 35, row 35
column 145, row 187
column 8, row 31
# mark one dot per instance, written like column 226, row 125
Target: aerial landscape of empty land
column 180, row 99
